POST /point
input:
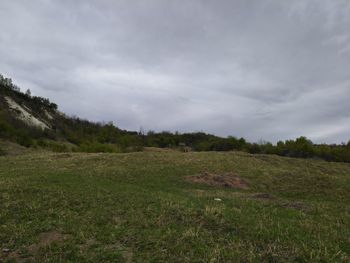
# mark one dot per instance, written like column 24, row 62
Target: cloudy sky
column 261, row 69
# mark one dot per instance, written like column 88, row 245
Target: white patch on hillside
column 48, row 115
column 25, row 115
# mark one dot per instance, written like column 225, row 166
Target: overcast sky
column 259, row 69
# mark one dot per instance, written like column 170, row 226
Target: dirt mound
column 229, row 180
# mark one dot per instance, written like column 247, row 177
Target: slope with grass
column 35, row 122
column 141, row 207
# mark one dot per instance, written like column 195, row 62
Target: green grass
column 138, row 207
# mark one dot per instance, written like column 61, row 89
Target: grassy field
column 139, row 207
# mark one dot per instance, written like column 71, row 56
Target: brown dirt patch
column 62, row 155
column 270, row 199
column 297, row 206
column 45, row 239
column 228, row 180
column 155, row 149
column 263, row 196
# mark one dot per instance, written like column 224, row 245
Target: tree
column 28, row 93
column 304, row 147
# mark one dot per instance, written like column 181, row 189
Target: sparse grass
column 2, row 152
column 10, row 148
column 138, row 207
column 98, row 148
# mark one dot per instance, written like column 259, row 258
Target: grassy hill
column 36, row 122
column 146, row 207
column 63, row 200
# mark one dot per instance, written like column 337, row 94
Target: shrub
column 53, row 146
column 25, row 140
column 95, row 147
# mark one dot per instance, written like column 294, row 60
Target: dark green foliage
column 5, row 128
column 85, row 135
column 8, row 88
column 53, row 146
column 300, row 147
column 97, row 147
column 24, row 139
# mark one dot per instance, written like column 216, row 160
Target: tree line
column 300, row 147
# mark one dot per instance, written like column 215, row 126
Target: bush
column 53, row 146
column 96, row 147
column 25, row 140
column 253, row 148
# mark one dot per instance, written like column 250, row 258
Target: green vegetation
column 98, row 147
column 85, row 136
column 2, row 151
column 139, row 207
column 300, row 147
column 81, row 134
column 58, row 204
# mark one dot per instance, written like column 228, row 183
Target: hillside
column 36, row 122
column 200, row 199
column 19, row 109
column 148, row 207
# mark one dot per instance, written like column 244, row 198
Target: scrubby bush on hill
column 85, row 135
column 53, row 146
column 96, row 147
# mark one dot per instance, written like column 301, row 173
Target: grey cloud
column 258, row 69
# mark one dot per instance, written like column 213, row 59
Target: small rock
column 5, row 250
column 217, row 199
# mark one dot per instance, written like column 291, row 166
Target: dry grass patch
column 263, row 196
column 228, row 180
column 44, row 240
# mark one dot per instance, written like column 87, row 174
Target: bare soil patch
column 228, row 180
column 45, row 239
column 264, row 196
column 156, row 149
column 63, row 155
column 270, row 199
column 297, row 206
